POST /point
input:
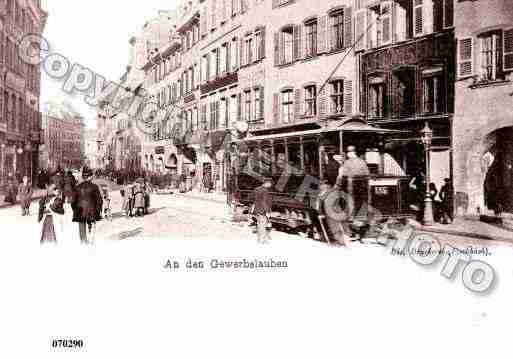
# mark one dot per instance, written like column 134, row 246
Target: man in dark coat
column 447, row 197
column 330, row 214
column 262, row 210
column 87, row 207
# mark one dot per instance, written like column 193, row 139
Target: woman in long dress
column 51, row 214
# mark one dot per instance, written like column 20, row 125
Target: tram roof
column 335, row 126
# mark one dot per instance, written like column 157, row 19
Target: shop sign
column 160, row 150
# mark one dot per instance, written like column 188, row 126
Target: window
column 287, row 106
column 337, row 29
column 223, row 57
column 260, row 44
column 377, row 99
column 311, row 100
column 247, row 106
column 337, row 96
column 287, row 37
column 433, row 91
column 405, row 90
column 311, row 38
column 491, row 56
column 234, row 55
column 258, row 104
column 248, row 50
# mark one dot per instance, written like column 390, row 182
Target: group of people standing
column 442, row 200
column 67, row 204
column 136, row 199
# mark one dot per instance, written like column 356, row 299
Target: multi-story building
column 407, row 61
column 483, row 119
column 20, row 119
column 63, row 132
column 268, row 65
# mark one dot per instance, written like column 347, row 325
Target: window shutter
column 348, row 27
column 239, row 107
column 242, row 52
column 235, row 9
column 276, row 108
column 322, row 102
column 203, row 21
column 348, row 97
column 223, row 11
column 321, row 34
column 262, row 107
column 361, row 30
column 276, row 49
column 213, row 10
column 297, row 104
column 386, row 22
column 418, row 17
column 216, row 114
column 297, row 42
column 331, row 33
column 262, row 43
column 465, row 57
column 508, row 49
column 448, row 13
column 243, row 6
column 276, row 3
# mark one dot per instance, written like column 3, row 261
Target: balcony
column 219, row 82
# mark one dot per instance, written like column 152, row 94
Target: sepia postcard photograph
column 256, row 179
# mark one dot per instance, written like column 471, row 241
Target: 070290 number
column 67, row 343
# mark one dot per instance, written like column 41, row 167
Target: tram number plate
column 381, row 190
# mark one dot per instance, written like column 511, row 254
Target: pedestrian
column 127, row 200
column 107, row 212
column 139, row 200
column 330, row 215
column 262, row 210
column 25, row 196
column 69, row 184
column 11, row 190
column 147, row 190
column 446, row 195
column 51, row 213
column 88, row 207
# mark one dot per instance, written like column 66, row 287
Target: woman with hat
column 51, row 212
column 88, row 206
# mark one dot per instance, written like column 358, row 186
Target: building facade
column 64, row 139
column 483, row 120
column 20, row 119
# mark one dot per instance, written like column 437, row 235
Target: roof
column 351, row 125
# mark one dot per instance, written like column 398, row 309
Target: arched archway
column 489, row 172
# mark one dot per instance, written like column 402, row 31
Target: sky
column 95, row 34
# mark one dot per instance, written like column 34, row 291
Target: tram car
column 297, row 162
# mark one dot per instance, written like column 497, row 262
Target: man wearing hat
column 330, row 214
column 262, row 210
column 87, row 207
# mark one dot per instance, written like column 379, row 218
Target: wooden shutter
column 276, row 108
column 297, row 103
column 223, row 11
column 213, row 15
column 239, row 107
column 276, row 49
column 203, row 21
column 438, row 14
column 322, row 25
column 323, row 101
column 465, row 57
column 448, row 13
column 236, row 8
column 348, row 97
column 330, row 33
column 262, row 43
column 418, row 17
column 242, row 53
column 386, row 22
column 361, row 30
column 508, row 49
column 297, row 42
column 348, row 27
column 243, row 6
column 276, row 3
column 262, row 106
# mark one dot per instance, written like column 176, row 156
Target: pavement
column 38, row 194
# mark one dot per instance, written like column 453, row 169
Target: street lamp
column 427, row 137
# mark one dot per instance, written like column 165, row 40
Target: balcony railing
column 219, row 82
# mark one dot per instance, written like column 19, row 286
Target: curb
column 200, row 198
